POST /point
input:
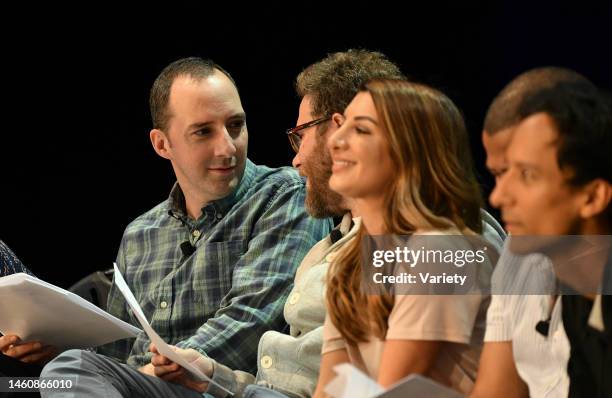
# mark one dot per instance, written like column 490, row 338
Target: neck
column 194, row 201
column 194, row 210
column 371, row 213
column 595, row 226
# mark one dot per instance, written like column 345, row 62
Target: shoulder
column 151, row 218
column 279, row 178
column 270, row 185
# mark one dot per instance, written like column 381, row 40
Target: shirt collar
column 342, row 229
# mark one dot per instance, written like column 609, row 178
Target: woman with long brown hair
column 402, row 155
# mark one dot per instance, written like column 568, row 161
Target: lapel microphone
column 543, row 327
column 187, row 248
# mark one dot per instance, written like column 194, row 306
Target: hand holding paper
column 27, row 351
column 171, row 371
column 37, row 311
column 162, row 347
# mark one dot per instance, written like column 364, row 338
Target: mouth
column 339, row 165
column 222, row 170
column 511, row 226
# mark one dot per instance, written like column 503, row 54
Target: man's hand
column 34, row 352
column 148, row 369
column 172, row 372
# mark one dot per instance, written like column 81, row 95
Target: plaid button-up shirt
column 220, row 299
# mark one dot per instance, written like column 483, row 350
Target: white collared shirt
column 541, row 361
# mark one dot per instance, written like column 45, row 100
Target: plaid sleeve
column 261, row 281
column 116, row 305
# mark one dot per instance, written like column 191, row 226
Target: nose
column 297, row 161
column 224, row 145
column 499, row 196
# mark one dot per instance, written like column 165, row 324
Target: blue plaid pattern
column 224, row 296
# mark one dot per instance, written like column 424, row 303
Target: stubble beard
column 321, row 201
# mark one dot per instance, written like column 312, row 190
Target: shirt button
column 295, row 297
column 196, row 233
column 266, row 362
column 219, row 216
column 163, row 305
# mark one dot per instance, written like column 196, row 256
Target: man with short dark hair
column 516, row 359
column 559, row 183
column 212, row 265
column 503, row 113
column 288, row 364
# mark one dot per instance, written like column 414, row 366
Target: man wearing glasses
column 289, row 363
column 213, row 264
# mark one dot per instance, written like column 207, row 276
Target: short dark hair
column 194, row 67
column 504, row 110
column 583, row 119
column 334, row 81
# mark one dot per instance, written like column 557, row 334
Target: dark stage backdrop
column 77, row 165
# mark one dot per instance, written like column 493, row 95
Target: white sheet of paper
column 36, row 310
column 161, row 345
column 350, row 382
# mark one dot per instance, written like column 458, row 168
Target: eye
column 361, row 130
column 497, row 173
column 202, row 132
column 527, row 175
column 236, row 126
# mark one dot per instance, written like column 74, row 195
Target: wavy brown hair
column 434, row 187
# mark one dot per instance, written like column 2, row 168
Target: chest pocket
column 211, row 274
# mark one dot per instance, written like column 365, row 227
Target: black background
column 76, row 162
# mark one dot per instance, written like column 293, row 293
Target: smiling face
column 362, row 167
column 206, row 138
column 534, row 195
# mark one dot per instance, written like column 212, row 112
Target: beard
column 321, row 201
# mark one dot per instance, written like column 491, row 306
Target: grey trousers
column 254, row 391
column 100, row 376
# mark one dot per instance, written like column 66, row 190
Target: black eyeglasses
column 296, row 139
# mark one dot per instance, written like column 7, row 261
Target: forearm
column 497, row 373
column 328, row 361
column 232, row 336
column 403, row 357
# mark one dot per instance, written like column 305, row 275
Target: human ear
column 337, row 119
column 160, row 142
column 597, row 197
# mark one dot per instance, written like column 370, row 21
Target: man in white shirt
column 526, row 349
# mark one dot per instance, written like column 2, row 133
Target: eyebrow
column 364, row 118
column 527, row 165
column 199, row 125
